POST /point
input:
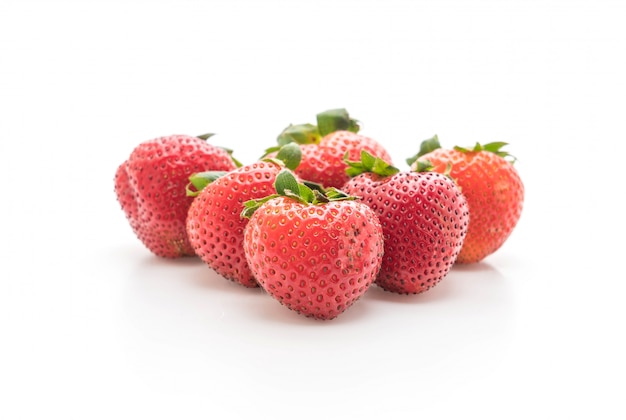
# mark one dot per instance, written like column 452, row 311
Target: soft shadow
column 189, row 270
column 207, row 278
column 450, row 287
column 440, row 291
column 272, row 310
column 479, row 267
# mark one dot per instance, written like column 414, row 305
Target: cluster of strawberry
column 324, row 214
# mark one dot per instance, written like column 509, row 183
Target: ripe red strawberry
column 150, row 187
column 492, row 186
column 424, row 217
column 324, row 146
column 214, row 223
column 315, row 254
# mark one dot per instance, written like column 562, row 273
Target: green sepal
column 427, row 166
column 426, row 146
column 290, row 154
column 205, row 136
column 250, row 206
column 333, row 120
column 493, row 147
column 296, row 134
column 424, row 166
column 199, row 180
column 369, row 163
column 300, row 134
column 287, row 185
column 335, row 194
column 315, row 186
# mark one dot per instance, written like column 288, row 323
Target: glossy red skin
column 214, row 223
column 323, row 163
column 317, row 260
column 495, row 193
column 424, row 218
column 150, row 187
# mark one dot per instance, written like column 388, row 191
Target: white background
column 95, row 327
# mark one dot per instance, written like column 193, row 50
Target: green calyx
column 295, row 134
column 493, row 147
column 426, row 146
column 327, row 122
column 199, row 180
column 205, row 136
column 426, row 166
column 300, row 134
column 335, row 120
column 287, row 185
column 288, row 156
column 369, row 163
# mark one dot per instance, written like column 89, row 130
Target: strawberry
column 150, row 187
column 323, row 147
column 424, row 217
column 214, row 224
column 315, row 253
column 323, row 163
column 492, row 186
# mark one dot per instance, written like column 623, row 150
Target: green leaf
column 382, row 168
column 493, row 147
column 335, row 194
column 426, row 146
column 369, row 163
column 335, row 120
column 314, row 186
column 199, row 180
column 290, row 154
column 205, row 136
column 423, row 166
column 306, row 194
column 300, row 134
column 286, row 183
column 250, row 206
column 367, row 160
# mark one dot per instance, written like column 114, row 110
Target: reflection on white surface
column 196, row 323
